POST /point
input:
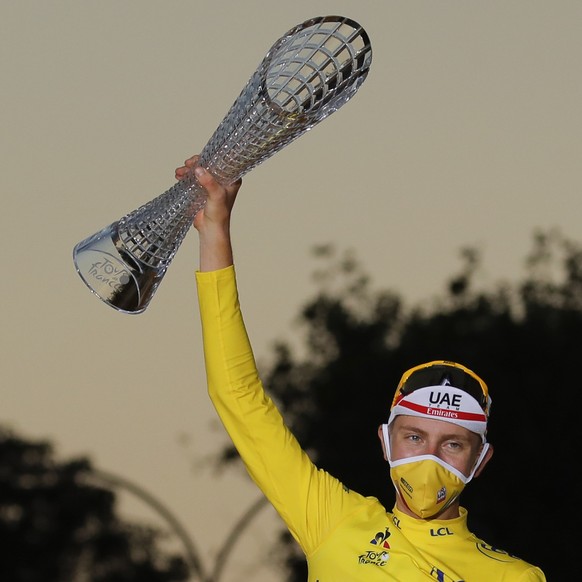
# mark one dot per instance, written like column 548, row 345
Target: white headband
column 445, row 403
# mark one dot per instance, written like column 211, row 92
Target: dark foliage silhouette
column 56, row 526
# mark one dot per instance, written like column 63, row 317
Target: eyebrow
column 455, row 435
column 412, row 427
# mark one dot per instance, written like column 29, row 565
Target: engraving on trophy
column 107, row 273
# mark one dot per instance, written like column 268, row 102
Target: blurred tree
column 55, row 526
column 523, row 338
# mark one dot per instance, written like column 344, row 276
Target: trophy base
column 111, row 273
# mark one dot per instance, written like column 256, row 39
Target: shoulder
column 510, row 566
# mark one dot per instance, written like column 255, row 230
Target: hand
column 220, row 201
column 213, row 221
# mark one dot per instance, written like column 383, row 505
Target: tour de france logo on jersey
column 379, row 555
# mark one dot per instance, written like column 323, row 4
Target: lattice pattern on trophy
column 309, row 73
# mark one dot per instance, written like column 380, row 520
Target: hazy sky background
column 467, row 131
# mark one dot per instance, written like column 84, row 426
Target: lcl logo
column 441, row 531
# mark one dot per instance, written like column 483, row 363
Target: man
column 434, row 440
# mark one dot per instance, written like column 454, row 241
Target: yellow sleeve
column 309, row 500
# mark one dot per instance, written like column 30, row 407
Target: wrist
column 215, row 250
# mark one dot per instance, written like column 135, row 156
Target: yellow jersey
column 345, row 536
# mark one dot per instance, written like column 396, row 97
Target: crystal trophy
column 308, row 73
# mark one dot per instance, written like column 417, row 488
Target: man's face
column 411, row 436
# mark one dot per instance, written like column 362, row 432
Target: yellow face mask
column 426, row 484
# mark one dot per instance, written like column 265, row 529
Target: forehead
column 431, row 426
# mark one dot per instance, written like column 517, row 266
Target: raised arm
column 274, row 459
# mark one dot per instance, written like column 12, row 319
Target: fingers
column 207, row 181
column 205, row 178
column 188, row 165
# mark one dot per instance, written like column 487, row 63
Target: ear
column 381, row 437
column 485, row 460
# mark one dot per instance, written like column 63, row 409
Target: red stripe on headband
column 443, row 413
